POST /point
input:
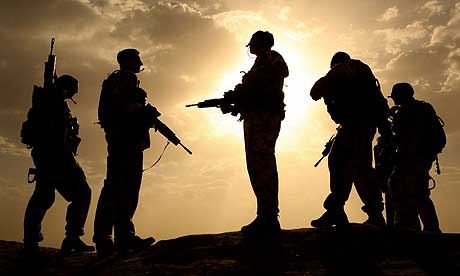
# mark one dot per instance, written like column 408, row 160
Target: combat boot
column 376, row 220
column 104, row 247
column 262, row 225
column 31, row 249
column 331, row 218
column 133, row 245
column 73, row 244
column 31, row 252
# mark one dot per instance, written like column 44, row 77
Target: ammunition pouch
column 28, row 132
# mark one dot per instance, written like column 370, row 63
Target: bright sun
column 296, row 89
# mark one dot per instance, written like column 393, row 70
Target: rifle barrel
column 189, row 105
column 319, row 161
column 185, row 148
column 52, row 46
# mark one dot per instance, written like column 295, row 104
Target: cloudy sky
column 193, row 50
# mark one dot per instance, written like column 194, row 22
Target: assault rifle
column 50, row 76
column 159, row 126
column 28, row 129
column 227, row 103
column 327, row 149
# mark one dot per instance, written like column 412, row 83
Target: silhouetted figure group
column 412, row 132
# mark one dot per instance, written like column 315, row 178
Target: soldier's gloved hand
column 231, row 94
column 152, row 111
column 141, row 96
column 226, row 108
column 150, row 114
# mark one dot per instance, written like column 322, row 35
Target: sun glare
column 296, row 90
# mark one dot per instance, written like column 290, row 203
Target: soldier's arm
column 275, row 69
column 319, row 89
column 124, row 96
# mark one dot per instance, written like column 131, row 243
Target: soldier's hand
column 151, row 111
column 226, row 108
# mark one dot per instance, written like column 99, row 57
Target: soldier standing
column 260, row 102
column 419, row 137
column 354, row 101
column 52, row 133
column 125, row 117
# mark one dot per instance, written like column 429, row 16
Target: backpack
column 357, row 96
column 30, row 127
column 435, row 136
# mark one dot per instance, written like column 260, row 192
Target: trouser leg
column 103, row 221
column 364, row 175
column 428, row 215
column 48, row 174
column 42, row 199
column 340, row 174
column 425, row 205
column 403, row 191
column 126, row 193
column 261, row 132
column 75, row 190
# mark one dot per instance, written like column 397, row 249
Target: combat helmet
column 262, row 39
column 402, row 92
column 68, row 85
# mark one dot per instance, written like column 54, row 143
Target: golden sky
column 193, row 50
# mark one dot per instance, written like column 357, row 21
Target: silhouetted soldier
column 354, row 100
column 54, row 138
column 419, row 137
column 124, row 115
column 260, row 102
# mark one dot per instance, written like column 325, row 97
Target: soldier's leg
column 42, row 198
column 364, row 176
column 134, row 177
column 126, row 194
column 425, row 206
column 404, row 199
column 104, row 218
column 341, row 177
column 340, row 172
column 75, row 190
column 261, row 132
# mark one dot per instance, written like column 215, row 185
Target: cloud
column 452, row 82
column 187, row 78
column 398, row 39
column 433, row 8
column 389, row 14
column 237, row 22
column 10, row 149
column 284, row 13
column 448, row 34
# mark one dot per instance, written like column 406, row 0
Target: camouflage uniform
column 262, row 109
column 409, row 182
column 122, row 115
column 58, row 170
column 348, row 90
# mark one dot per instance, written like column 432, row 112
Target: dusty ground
column 358, row 250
